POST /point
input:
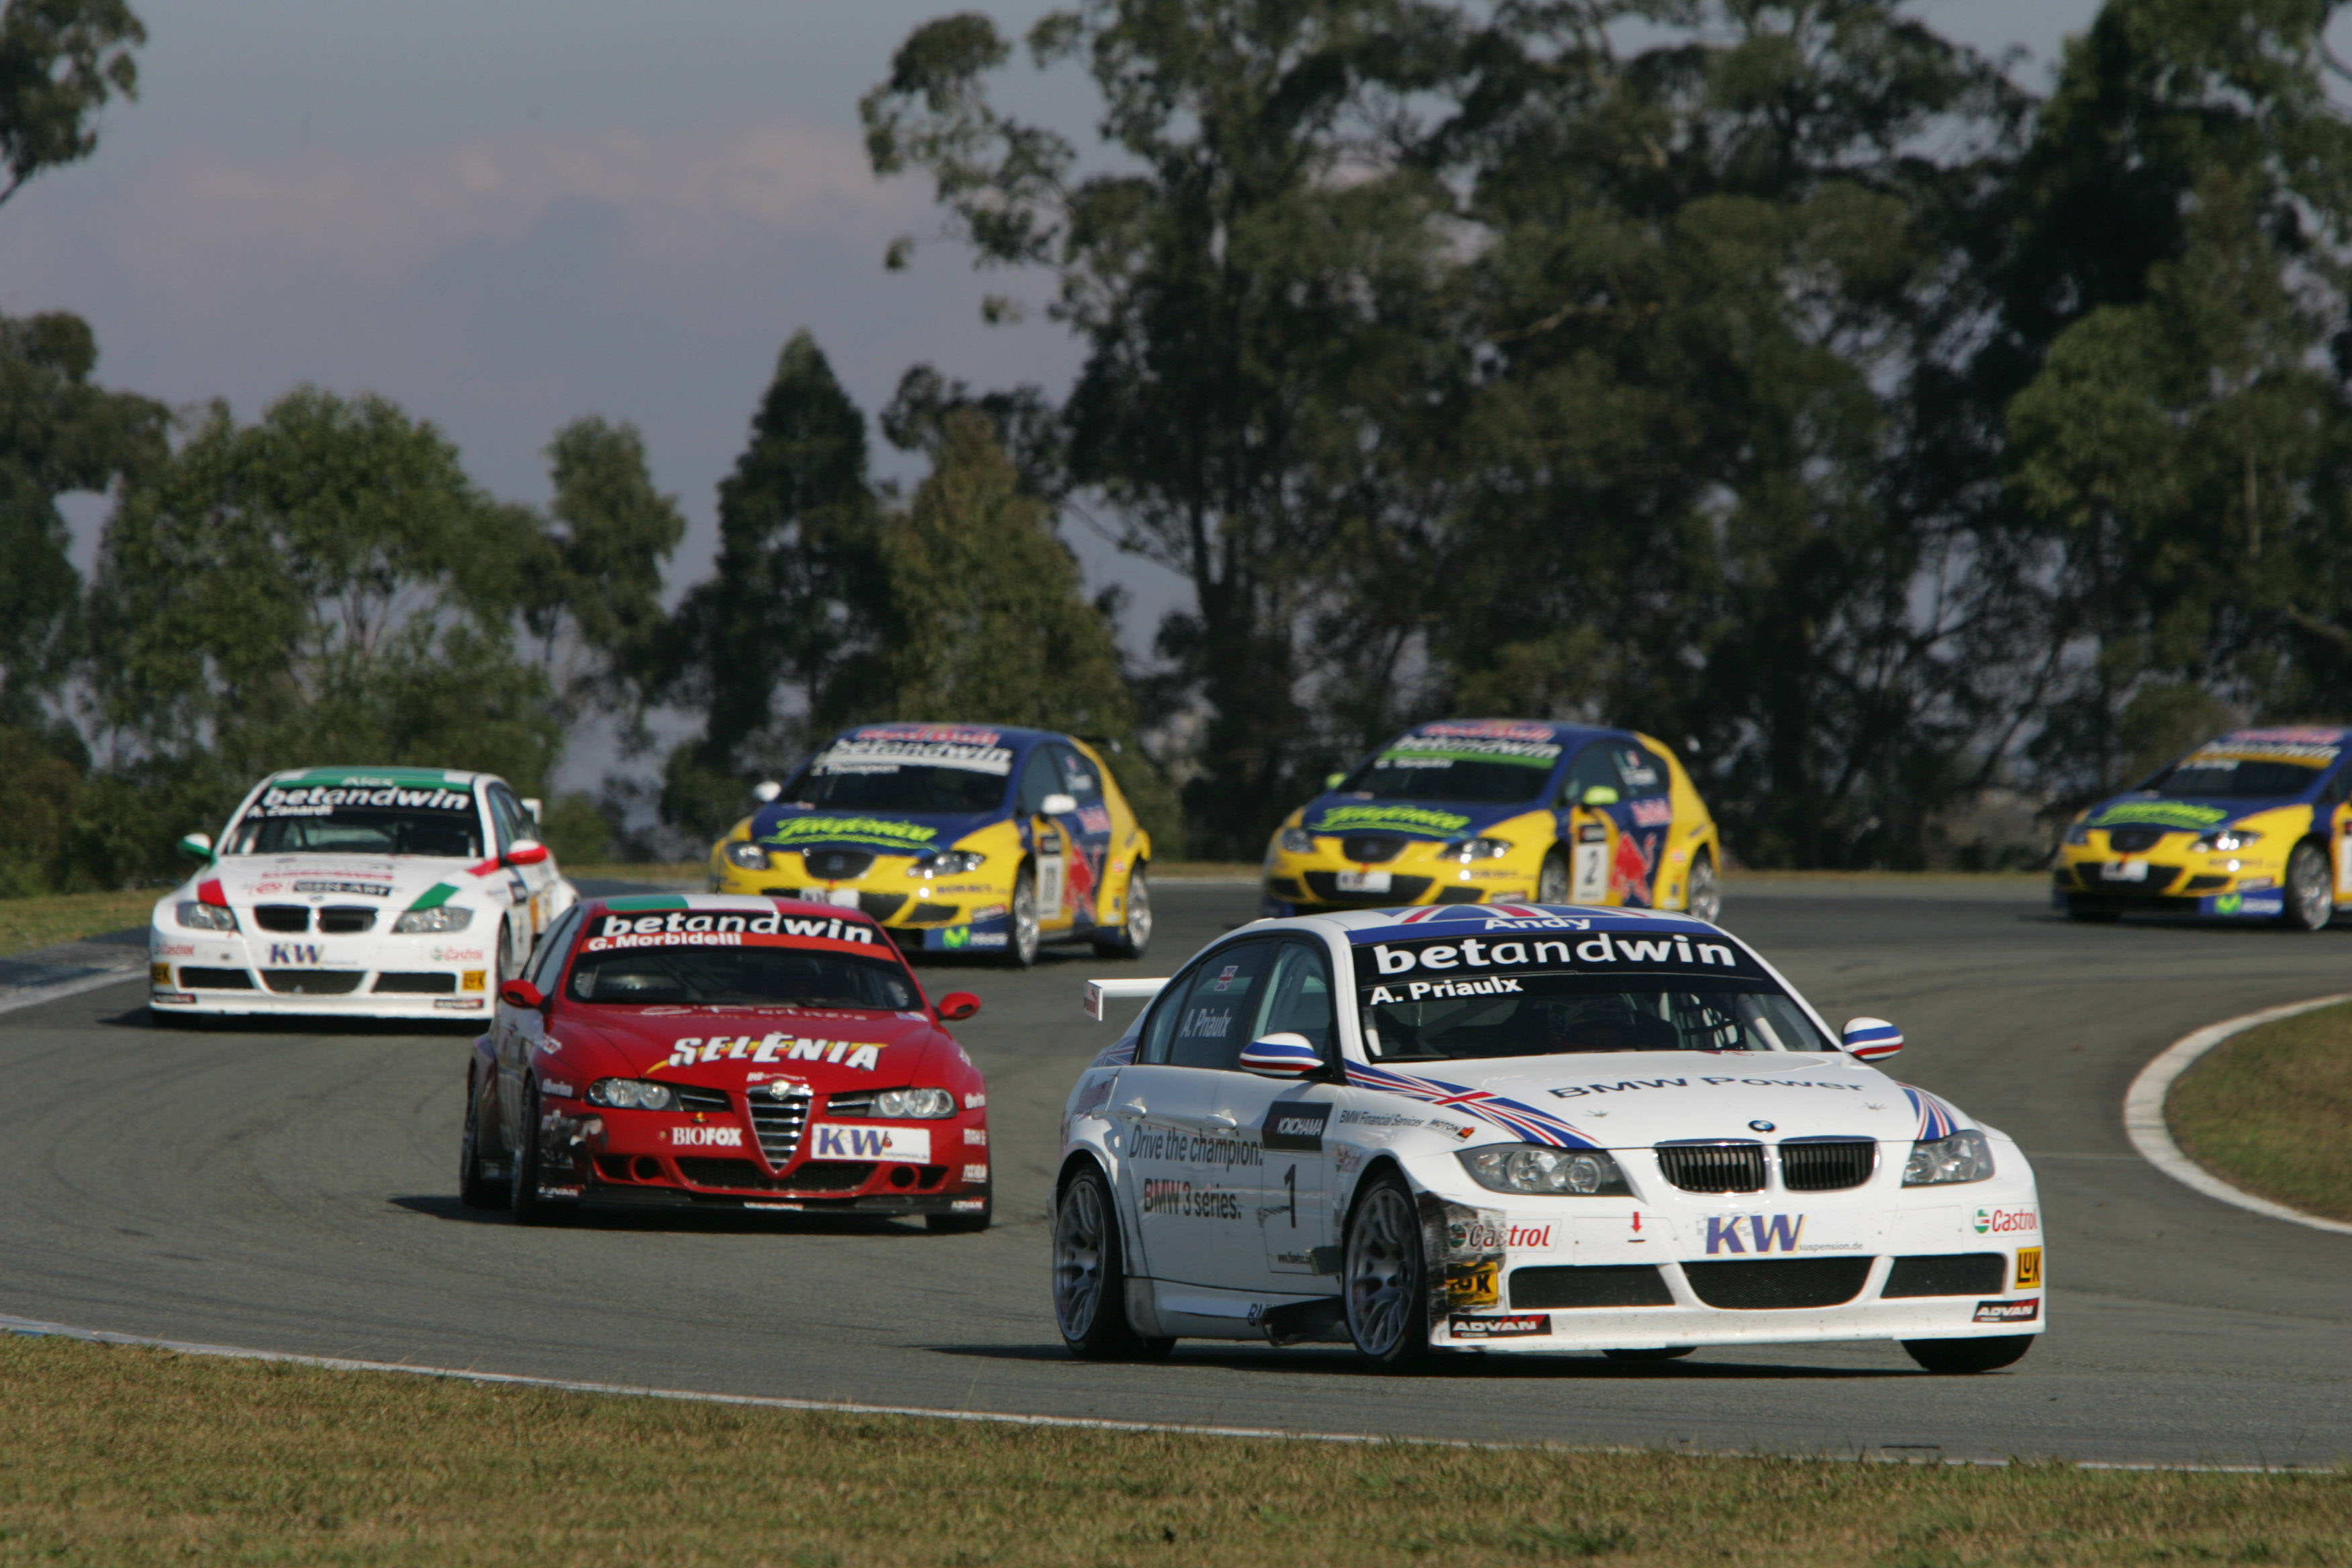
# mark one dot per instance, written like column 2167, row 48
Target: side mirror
column 1057, row 805
column 532, row 807
column 1871, row 1038
column 1280, row 1055
column 521, row 994
column 1600, row 795
column 525, row 852
column 766, row 790
column 200, row 844
column 1333, row 781
column 957, row 1005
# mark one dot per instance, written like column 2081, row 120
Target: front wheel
column 1965, row 1356
column 1090, row 1279
column 1706, row 899
column 1552, row 881
column 1386, row 1295
column 474, row 1187
column 1020, row 948
column 507, row 967
column 1134, row 934
column 522, row 1169
column 2310, row 889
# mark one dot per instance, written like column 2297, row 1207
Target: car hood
column 2179, row 814
column 395, row 881
column 1406, row 818
column 1634, row 1099
column 891, row 833
column 741, row 1048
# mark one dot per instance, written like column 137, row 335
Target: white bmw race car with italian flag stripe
column 1524, row 1128
column 382, row 892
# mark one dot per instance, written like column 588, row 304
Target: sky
column 505, row 215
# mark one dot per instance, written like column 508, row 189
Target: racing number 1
column 1290, row 1182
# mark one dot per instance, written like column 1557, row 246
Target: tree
column 60, row 60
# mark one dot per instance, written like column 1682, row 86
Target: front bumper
column 411, row 977
column 956, row 915
column 1309, row 884
column 2091, row 881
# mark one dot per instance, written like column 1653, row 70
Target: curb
column 2144, row 1121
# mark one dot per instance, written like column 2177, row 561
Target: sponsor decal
column 858, row 1141
column 2244, row 904
column 1207, row 1024
column 456, row 954
column 1711, row 1080
column 975, row 1137
column 974, row 1101
column 987, row 939
column 968, row 1206
column 2028, row 1268
column 1769, row 1233
column 560, row 1090
column 694, row 1050
column 991, row 912
column 1377, row 963
column 461, row 1005
column 1536, row 1236
column 956, row 937
column 1226, row 977
column 2009, row 1311
column 1409, row 818
column 888, row 754
column 1529, row 1123
column 179, row 997
column 1485, row 729
column 1176, row 1147
column 681, row 929
column 1630, row 867
column 1347, row 1158
column 1474, row 1284
column 706, row 1137
column 1182, row 1200
column 1295, row 1126
column 174, row 949
column 1377, row 1119
column 2002, row 1222
column 319, row 801
column 975, row 1173
column 359, row 889
column 159, row 975
column 2157, row 814
column 1094, row 819
column 1506, row 1326
column 286, row 955
column 1655, row 812
column 473, row 979
column 1422, row 750
column 903, row 836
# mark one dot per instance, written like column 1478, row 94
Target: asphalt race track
column 293, row 1189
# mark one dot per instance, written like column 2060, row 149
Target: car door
column 1290, row 1201
column 1049, row 843
column 1187, row 1164
column 1086, row 831
column 516, row 1031
column 1587, row 798
column 531, row 888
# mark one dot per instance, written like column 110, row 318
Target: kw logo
column 285, row 952
column 1769, row 1233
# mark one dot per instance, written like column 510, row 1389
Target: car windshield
column 360, row 820
column 1557, row 1015
column 742, row 977
column 1477, row 771
column 2243, row 778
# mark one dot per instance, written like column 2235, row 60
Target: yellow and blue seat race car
column 2252, row 825
column 955, row 837
column 1487, row 811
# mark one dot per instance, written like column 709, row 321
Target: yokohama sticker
column 2009, row 1311
column 1513, row 1326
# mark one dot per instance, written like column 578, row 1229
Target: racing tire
column 523, row 1201
column 1383, row 1278
column 1553, row 884
column 2092, row 914
column 2310, row 888
column 1703, row 899
column 961, row 1224
column 1090, row 1276
column 1027, row 936
column 475, row 1188
column 507, row 969
column 1962, row 1357
column 1652, row 1353
column 1134, row 934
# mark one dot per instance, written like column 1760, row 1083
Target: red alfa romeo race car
column 723, row 1051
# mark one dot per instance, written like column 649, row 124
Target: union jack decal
column 1473, row 911
column 1937, row 1119
column 1529, row 1125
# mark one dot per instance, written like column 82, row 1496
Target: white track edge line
column 1878, row 1454
column 2144, row 1121
column 63, row 988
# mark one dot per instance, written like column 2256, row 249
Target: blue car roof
column 1364, row 926
column 1561, row 735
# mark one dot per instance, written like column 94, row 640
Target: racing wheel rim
column 1551, row 882
column 1025, row 921
column 1138, row 912
column 2308, row 885
column 1078, row 1258
column 1705, row 901
column 1383, row 1271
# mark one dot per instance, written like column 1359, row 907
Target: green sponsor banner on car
column 1401, row 818
column 906, row 837
column 2159, row 814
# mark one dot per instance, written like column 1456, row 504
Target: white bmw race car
column 386, row 892
column 1524, row 1128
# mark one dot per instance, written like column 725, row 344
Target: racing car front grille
column 1371, row 849
column 707, row 1100
column 1827, row 1164
column 1948, row 1274
column 2157, row 879
column 314, row 982
column 816, row 1176
column 837, row 864
column 416, row 983
column 1601, row 1285
column 1325, row 888
column 932, row 914
column 2135, row 840
column 1780, row 1284
column 1286, row 887
column 1713, row 1167
column 881, row 906
column 2206, row 884
column 282, row 917
column 346, row 919
column 215, row 979
column 780, row 1122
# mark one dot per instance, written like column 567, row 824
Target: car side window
column 1644, row 772
column 505, row 815
column 1203, row 1018
column 1038, row 780
column 548, row 961
column 1297, row 999
column 1594, row 768
column 1079, row 776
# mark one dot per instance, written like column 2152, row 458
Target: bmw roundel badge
column 1760, row 1127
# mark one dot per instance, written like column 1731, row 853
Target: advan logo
column 1766, row 1232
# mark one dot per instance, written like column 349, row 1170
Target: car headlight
column 2222, row 840
column 422, row 922
column 1535, row 1168
column 632, row 1094
column 747, row 855
column 947, row 863
column 1296, row 841
column 2078, row 834
column 926, row 1103
column 1964, row 1156
column 1468, row 849
column 205, row 917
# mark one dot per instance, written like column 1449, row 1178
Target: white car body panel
column 1229, row 1235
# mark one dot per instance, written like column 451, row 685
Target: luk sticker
column 2028, row 1268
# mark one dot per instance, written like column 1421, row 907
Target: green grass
column 52, row 918
column 120, row 1456
column 2268, row 1111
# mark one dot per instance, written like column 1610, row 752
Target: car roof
column 1423, row 920
column 396, row 778
column 2285, row 735
column 965, row 734
column 1559, row 734
column 716, row 904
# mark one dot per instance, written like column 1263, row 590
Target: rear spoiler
column 1101, row 990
